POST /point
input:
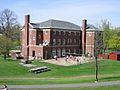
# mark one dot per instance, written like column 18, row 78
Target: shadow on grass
column 109, row 78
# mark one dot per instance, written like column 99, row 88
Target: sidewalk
column 111, row 83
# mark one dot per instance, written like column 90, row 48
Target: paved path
column 111, row 83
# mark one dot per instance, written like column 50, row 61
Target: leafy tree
column 16, row 36
column 114, row 43
column 106, row 34
column 5, row 45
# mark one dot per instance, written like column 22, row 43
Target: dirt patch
column 28, row 78
column 69, row 62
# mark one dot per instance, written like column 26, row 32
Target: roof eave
column 59, row 28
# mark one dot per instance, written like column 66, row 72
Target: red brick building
column 94, row 40
column 56, row 38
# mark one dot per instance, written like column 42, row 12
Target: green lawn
column 11, row 72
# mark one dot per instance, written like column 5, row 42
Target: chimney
column 84, row 24
column 27, row 21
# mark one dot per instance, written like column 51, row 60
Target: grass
column 12, row 73
column 88, row 88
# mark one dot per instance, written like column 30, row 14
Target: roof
column 56, row 24
column 116, row 52
column 92, row 28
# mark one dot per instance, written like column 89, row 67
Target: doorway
column 33, row 53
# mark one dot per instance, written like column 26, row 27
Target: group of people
column 78, row 59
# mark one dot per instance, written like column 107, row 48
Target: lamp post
column 96, row 67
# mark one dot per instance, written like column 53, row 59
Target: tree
column 8, row 22
column 16, row 36
column 5, row 45
column 106, row 34
column 110, row 36
column 114, row 43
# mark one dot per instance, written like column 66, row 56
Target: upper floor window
column 70, row 40
column 57, row 32
column 62, row 33
column 45, row 32
column 59, row 41
column 73, row 34
column 69, row 33
column 74, row 40
column 78, row 33
column 54, row 32
column 63, row 41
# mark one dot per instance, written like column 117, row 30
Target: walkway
column 111, row 83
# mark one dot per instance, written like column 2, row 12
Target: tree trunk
column 5, row 56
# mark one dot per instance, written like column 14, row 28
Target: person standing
column 66, row 59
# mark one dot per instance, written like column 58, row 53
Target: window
column 74, row 40
column 63, row 41
column 69, row 33
column 54, row 32
column 45, row 32
column 73, row 34
column 62, row 33
column 90, row 34
column 57, row 32
column 68, row 41
column 78, row 33
column 71, row 41
column 79, row 41
column 54, row 41
column 59, row 41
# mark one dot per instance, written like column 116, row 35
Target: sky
column 67, row 10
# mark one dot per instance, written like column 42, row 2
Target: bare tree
column 8, row 20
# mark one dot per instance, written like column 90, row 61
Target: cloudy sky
column 68, row 10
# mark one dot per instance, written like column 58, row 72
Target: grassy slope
column 108, row 70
